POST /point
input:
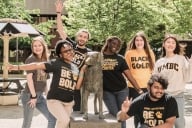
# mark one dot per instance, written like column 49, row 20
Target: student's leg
column 110, row 102
column 77, row 99
column 27, row 110
column 42, row 107
column 180, row 122
column 61, row 111
column 121, row 96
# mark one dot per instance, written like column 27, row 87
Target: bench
column 10, row 95
column 10, row 81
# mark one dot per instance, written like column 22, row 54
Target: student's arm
column 129, row 76
column 31, row 66
column 169, row 123
column 152, row 56
column 188, row 69
column 30, row 84
column 60, row 27
column 81, row 76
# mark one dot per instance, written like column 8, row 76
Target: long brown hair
column 45, row 55
column 131, row 45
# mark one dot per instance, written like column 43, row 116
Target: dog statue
column 93, row 83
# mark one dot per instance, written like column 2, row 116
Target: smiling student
column 66, row 78
column 155, row 108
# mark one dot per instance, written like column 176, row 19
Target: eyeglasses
column 67, row 51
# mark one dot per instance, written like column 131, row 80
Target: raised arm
column 30, row 84
column 60, row 27
column 122, row 115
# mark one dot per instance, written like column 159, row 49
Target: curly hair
column 109, row 40
column 60, row 44
column 160, row 79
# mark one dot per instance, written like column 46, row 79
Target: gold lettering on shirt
column 67, row 79
column 66, row 74
column 153, row 116
column 66, row 83
column 109, row 64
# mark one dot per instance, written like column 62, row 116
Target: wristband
column 35, row 97
column 18, row 67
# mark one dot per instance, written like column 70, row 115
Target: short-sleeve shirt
column 80, row 54
column 113, row 67
column 64, row 80
column 39, row 76
column 151, row 112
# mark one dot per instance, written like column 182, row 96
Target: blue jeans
column 41, row 106
column 180, row 122
column 114, row 100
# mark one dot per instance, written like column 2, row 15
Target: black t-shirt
column 80, row 54
column 153, row 113
column 113, row 67
column 64, row 80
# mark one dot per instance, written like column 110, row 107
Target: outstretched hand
column 126, row 104
column 12, row 67
column 59, row 6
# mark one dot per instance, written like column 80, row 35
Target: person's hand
column 126, row 104
column 32, row 102
column 59, row 6
column 140, row 91
column 12, row 67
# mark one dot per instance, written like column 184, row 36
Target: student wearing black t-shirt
column 155, row 108
column 82, row 36
column 66, row 78
column 115, row 69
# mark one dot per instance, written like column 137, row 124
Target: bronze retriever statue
column 93, row 83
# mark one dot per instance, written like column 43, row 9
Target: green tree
column 15, row 9
column 124, row 18
column 109, row 17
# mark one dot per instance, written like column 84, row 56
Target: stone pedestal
column 93, row 121
column 8, row 98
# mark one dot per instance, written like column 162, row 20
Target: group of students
column 155, row 92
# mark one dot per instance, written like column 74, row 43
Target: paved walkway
column 11, row 116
